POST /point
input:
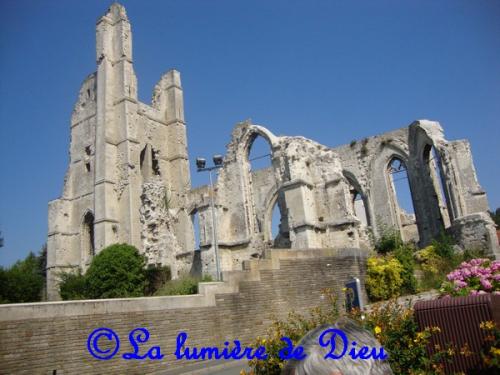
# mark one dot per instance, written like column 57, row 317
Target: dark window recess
column 155, row 164
column 88, row 233
column 87, row 166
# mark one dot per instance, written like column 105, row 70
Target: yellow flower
column 488, row 325
column 435, row 330
column 495, row 351
column 344, row 289
column 377, row 330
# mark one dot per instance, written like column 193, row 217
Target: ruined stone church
column 128, row 181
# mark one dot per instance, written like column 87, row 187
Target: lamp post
column 201, row 167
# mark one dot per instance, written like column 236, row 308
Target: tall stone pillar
column 169, row 100
column 116, row 214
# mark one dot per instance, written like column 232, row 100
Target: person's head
column 316, row 364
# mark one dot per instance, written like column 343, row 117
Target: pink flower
column 460, row 284
column 486, row 284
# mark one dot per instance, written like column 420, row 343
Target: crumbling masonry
column 128, row 181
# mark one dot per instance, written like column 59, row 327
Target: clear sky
column 332, row 71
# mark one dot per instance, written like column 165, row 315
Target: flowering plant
column 477, row 276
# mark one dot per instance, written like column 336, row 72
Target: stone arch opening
column 278, row 231
column 434, row 168
column 149, row 162
column 358, row 201
column 195, row 219
column 259, row 175
column 87, row 236
column 402, row 199
column 259, row 153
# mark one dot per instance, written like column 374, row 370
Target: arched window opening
column 88, row 242
column 402, row 199
column 358, row 205
column 149, row 162
column 280, row 233
column 259, row 154
column 432, row 160
column 360, row 209
column 399, row 178
column 195, row 217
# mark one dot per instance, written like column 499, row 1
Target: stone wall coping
column 44, row 310
column 205, row 298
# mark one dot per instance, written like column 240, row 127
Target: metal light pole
column 201, row 166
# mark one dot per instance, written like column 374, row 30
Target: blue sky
column 332, row 71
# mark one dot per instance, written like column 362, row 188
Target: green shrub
column 404, row 254
column 207, row 279
column 156, row 277
column 117, row 271
column 73, row 286
column 435, row 267
column 389, row 241
column 383, row 280
column 443, row 245
column 184, row 285
column 469, row 254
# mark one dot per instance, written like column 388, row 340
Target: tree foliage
column 495, row 216
column 73, row 286
column 117, row 271
column 25, row 280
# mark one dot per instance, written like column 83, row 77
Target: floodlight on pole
column 218, row 160
column 201, row 166
column 200, row 163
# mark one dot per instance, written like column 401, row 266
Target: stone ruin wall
column 50, row 337
column 128, row 180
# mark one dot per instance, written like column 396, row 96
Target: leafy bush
column 433, row 266
column 389, row 241
column 185, row 284
column 490, row 352
column 24, row 281
column 478, row 276
column 443, row 245
column 156, row 277
column 392, row 324
column 117, row 271
column 404, row 254
column 73, row 286
column 429, row 260
column 383, row 279
column 295, row 326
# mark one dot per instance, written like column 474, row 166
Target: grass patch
column 184, row 285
